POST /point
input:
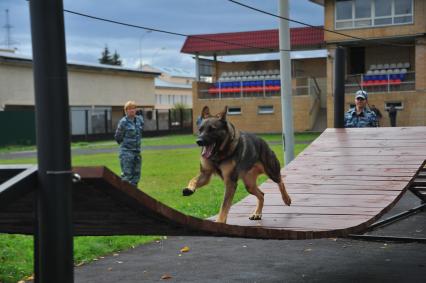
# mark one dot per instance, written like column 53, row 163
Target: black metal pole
column 339, row 87
column 157, row 122
column 106, row 121
column 55, row 237
column 86, row 125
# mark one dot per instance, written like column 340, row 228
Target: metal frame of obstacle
column 417, row 188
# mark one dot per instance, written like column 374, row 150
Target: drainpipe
column 197, row 68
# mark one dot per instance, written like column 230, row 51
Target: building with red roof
column 251, row 89
column 252, row 42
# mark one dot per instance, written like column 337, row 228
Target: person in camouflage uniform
column 128, row 135
column 360, row 116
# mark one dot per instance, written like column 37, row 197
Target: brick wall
column 249, row 120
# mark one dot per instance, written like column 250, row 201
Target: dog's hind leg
column 284, row 194
column 272, row 169
column 249, row 180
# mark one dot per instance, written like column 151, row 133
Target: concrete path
column 86, row 151
column 214, row 259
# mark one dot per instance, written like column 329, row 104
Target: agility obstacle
column 340, row 184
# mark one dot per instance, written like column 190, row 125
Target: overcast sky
column 86, row 38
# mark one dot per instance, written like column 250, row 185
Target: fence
column 18, row 127
column 157, row 122
column 260, row 88
column 381, row 83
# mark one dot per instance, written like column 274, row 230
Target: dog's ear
column 222, row 115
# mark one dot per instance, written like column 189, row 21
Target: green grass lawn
column 158, row 141
column 165, row 173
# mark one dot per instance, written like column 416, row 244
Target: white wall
column 86, row 87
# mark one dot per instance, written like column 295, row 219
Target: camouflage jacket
column 129, row 134
column 366, row 118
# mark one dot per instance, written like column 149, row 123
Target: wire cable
column 316, row 27
column 170, row 32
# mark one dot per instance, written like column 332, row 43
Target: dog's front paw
column 187, row 192
column 255, row 216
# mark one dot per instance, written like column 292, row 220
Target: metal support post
column 286, row 95
column 339, row 88
column 55, row 233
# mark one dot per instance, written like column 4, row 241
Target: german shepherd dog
column 234, row 155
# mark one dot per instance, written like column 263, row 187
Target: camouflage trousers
column 130, row 163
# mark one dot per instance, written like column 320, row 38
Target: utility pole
column 8, row 27
column 54, row 232
column 286, row 95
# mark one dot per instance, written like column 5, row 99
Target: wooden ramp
column 342, row 183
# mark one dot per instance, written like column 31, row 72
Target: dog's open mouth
column 207, row 151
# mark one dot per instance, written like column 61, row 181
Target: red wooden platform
column 342, row 183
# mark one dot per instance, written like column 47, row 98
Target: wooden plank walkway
column 342, row 183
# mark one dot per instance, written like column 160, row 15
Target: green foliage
column 106, row 56
column 107, row 59
column 116, row 59
column 179, row 106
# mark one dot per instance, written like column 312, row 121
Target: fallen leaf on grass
column 165, row 277
column 184, row 249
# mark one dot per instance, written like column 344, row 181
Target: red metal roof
column 261, row 41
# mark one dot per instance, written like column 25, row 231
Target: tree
column 106, row 56
column 116, row 59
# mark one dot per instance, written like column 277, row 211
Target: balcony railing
column 381, row 83
column 255, row 89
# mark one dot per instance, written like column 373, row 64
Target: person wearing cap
column 360, row 116
column 128, row 135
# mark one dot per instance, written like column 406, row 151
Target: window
column 344, row 9
column 265, row 109
column 234, row 111
column 368, row 13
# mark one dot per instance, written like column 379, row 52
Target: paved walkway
column 86, row 151
column 214, row 259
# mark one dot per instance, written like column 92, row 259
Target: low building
column 173, row 86
column 97, row 92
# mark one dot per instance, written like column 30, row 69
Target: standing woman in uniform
column 129, row 135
